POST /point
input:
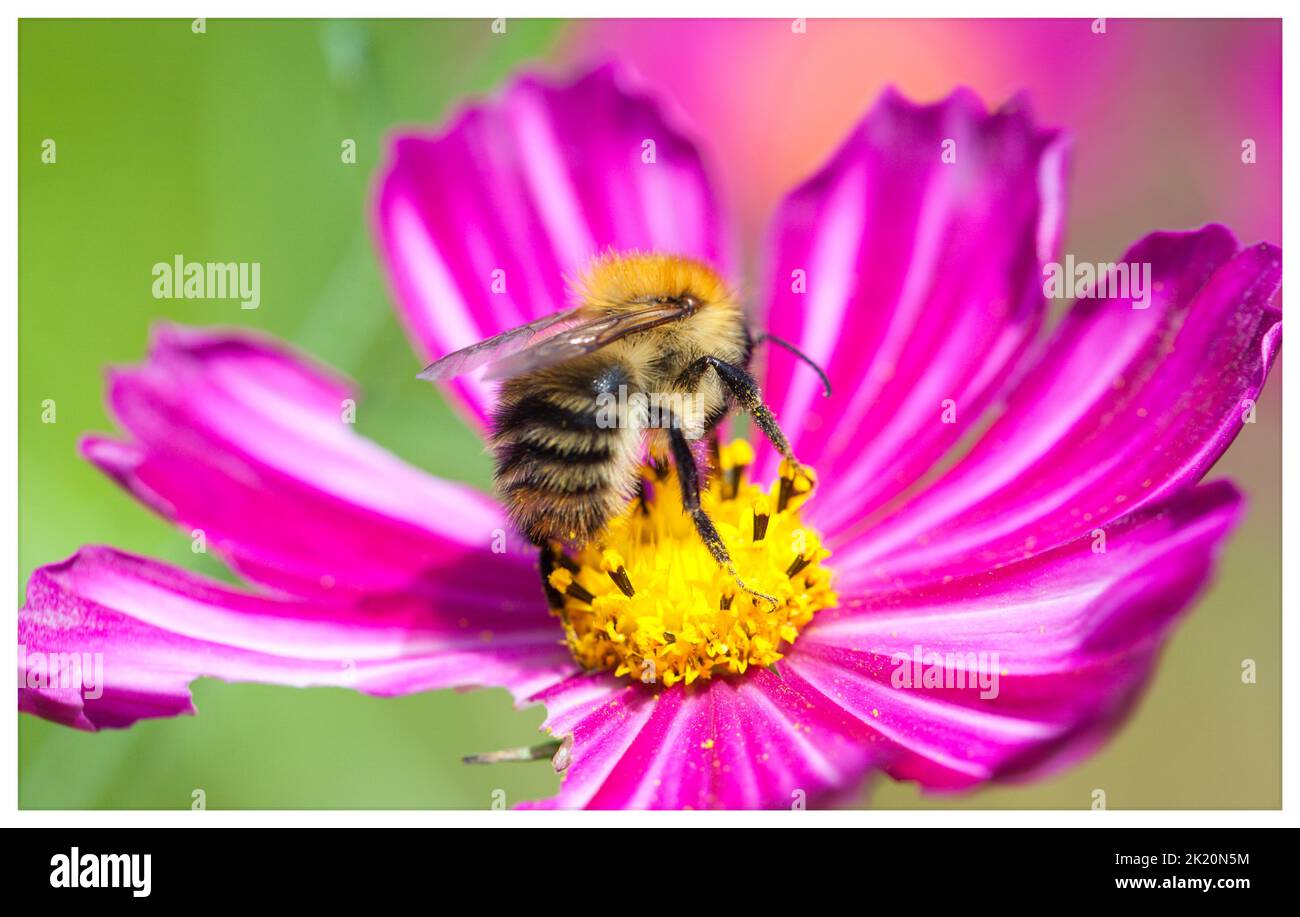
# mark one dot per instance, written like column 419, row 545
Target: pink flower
column 997, row 613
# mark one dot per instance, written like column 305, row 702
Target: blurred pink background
column 1158, row 109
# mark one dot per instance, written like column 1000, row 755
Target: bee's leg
column 742, row 385
column 643, row 496
column 688, row 473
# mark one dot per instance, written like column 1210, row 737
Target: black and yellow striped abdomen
column 562, row 467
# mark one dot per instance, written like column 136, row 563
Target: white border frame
column 583, row 9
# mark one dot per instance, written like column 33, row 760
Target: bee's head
column 619, row 281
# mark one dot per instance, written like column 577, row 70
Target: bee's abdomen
column 562, row 471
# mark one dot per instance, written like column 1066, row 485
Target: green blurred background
column 224, row 146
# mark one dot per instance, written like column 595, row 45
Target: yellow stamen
column 796, row 481
column 611, row 562
column 762, row 516
column 737, row 454
column 686, row 619
column 561, row 579
column 735, row 457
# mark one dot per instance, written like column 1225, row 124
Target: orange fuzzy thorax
column 617, row 281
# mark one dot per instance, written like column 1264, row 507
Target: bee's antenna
column 781, row 342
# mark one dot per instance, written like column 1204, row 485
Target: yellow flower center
column 650, row 601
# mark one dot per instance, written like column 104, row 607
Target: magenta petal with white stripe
column 1123, row 407
column 910, row 268
column 242, row 439
column 484, row 225
column 108, row 638
column 1070, row 636
column 749, row 744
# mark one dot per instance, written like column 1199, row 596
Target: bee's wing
column 502, row 345
column 585, row 338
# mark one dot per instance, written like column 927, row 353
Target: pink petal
column 1124, row 407
column 245, row 440
column 149, row 630
column 1071, row 634
column 533, row 184
column 923, row 283
column 751, row 743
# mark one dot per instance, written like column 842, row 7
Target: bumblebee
column 653, row 357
